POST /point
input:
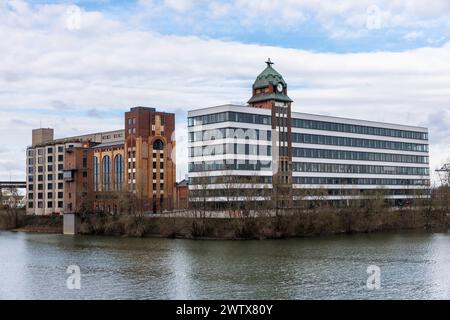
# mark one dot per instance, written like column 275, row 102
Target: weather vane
column 269, row 63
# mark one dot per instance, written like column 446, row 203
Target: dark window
column 60, row 195
column 158, row 145
column 50, row 159
column 49, row 204
column 60, row 158
column 60, row 204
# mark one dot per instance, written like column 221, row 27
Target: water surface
column 413, row 266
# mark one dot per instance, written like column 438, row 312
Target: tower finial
column 269, row 63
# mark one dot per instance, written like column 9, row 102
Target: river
column 412, row 266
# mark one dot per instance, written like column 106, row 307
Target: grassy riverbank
column 297, row 224
column 300, row 224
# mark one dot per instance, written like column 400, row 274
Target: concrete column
column 70, row 223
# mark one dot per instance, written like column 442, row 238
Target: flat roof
column 306, row 116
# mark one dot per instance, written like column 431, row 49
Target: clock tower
column 270, row 92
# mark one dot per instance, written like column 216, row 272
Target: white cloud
column 179, row 5
column 51, row 74
column 410, row 36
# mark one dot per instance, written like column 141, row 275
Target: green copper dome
column 269, row 75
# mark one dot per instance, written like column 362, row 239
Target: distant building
column 87, row 172
column 266, row 152
column 182, row 194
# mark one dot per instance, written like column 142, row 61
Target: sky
column 77, row 66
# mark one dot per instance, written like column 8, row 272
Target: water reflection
column 414, row 266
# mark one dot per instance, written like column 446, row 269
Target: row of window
column 40, row 205
column 40, row 152
column 223, row 133
column 358, row 129
column 360, row 181
column 358, row 169
column 40, row 186
column 357, row 156
column 229, row 165
column 107, row 173
column 229, row 116
column 230, row 179
column 50, row 168
column 306, row 124
column 230, row 148
column 358, row 143
column 40, row 195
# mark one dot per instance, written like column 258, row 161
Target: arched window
column 158, row 145
column 106, row 171
column 118, row 172
column 96, row 173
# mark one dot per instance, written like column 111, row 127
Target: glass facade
column 223, row 133
column 229, row 116
column 358, row 169
column 358, row 143
column 360, row 181
column 357, row 156
column 118, row 172
column 358, row 129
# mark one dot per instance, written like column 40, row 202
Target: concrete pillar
column 70, row 223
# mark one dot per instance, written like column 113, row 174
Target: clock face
column 280, row 87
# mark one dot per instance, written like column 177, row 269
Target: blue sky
column 270, row 27
column 77, row 66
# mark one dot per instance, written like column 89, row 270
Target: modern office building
column 266, row 152
column 88, row 172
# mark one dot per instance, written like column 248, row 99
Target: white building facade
column 235, row 152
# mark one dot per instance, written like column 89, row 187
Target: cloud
column 55, row 75
column 413, row 35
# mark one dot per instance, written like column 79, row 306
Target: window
column 50, row 177
column 158, row 145
column 60, row 158
column 49, row 150
column 60, row 167
column 50, row 186
column 60, row 149
column 30, row 196
column 60, row 195
column 40, row 196
column 40, row 205
column 40, row 152
column 30, row 205
column 60, row 185
column 106, row 172
column 118, row 172
column 49, row 195
column 96, row 173
column 50, row 167
column 49, row 204
column 60, row 204
column 31, row 161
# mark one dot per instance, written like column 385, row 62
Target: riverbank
column 297, row 224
